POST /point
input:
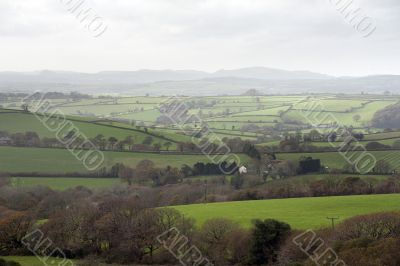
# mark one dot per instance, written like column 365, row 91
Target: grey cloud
column 306, row 34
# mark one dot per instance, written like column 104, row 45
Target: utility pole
column 333, row 221
column 205, row 191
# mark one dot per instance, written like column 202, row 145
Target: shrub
column 371, row 253
column 373, row 226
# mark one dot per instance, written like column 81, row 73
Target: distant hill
column 148, row 76
column 192, row 82
column 269, row 73
column 109, row 77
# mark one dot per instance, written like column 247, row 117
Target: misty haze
column 199, row 132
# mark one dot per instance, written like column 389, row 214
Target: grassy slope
column 332, row 104
column 336, row 106
column 147, row 115
column 103, row 109
column 302, row 213
column 14, row 160
column 366, row 113
column 22, row 122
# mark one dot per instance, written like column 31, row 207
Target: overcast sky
column 199, row 34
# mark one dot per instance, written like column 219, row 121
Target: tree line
column 129, row 143
column 146, row 172
column 114, row 226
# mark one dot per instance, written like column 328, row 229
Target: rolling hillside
column 13, row 121
column 61, row 161
column 300, row 213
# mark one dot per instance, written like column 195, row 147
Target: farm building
column 4, row 141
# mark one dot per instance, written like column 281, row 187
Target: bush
column 382, row 167
column 371, row 253
column 373, row 226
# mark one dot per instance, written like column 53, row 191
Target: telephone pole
column 205, row 191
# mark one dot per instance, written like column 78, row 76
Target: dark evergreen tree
column 267, row 237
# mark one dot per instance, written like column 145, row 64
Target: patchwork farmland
column 286, row 170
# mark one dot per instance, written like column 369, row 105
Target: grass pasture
column 332, row 104
column 103, row 109
column 300, row 213
column 343, row 117
column 19, row 122
column 383, row 135
column 52, row 161
column 149, row 116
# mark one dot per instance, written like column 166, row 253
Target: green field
column 383, row 135
column 342, row 109
column 33, row 261
column 222, row 112
column 300, row 213
column 20, row 122
column 104, row 109
column 52, row 161
column 146, row 116
column 342, row 117
column 63, row 183
column 332, row 104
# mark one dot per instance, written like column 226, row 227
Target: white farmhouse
column 242, row 170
